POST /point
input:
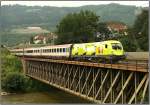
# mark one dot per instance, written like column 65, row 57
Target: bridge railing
column 130, row 65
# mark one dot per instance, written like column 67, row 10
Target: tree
column 31, row 40
column 14, row 82
column 104, row 32
column 127, row 43
column 140, row 30
column 77, row 27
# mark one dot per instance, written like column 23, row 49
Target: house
column 39, row 39
column 116, row 26
column 44, row 38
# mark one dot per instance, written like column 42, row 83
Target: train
column 96, row 51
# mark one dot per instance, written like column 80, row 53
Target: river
column 52, row 96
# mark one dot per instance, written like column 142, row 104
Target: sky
column 74, row 3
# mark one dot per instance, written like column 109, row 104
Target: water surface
column 52, row 96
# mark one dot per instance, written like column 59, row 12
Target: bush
column 14, row 82
column 128, row 44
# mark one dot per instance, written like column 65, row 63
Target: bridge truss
column 100, row 83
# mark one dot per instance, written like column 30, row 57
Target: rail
column 131, row 65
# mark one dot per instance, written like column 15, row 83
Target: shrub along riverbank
column 12, row 78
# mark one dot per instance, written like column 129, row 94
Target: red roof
column 117, row 26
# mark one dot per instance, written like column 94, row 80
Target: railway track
column 131, row 65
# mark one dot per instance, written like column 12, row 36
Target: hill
column 15, row 18
column 48, row 17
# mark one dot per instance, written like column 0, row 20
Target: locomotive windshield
column 116, row 46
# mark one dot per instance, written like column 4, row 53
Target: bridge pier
column 98, row 84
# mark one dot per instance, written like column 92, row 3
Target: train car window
column 60, row 49
column 57, row 49
column 63, row 49
column 54, row 50
column 106, row 45
column 30, row 51
column 116, row 46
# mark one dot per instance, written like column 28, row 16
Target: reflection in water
column 52, row 96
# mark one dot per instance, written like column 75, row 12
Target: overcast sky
column 74, row 3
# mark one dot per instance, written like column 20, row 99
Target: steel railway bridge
column 125, row 82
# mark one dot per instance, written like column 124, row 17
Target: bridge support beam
column 100, row 85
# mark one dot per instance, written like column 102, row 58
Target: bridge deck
column 128, row 65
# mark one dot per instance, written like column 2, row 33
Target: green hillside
column 16, row 17
column 48, row 17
